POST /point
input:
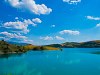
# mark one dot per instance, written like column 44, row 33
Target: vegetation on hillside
column 6, row 48
column 89, row 44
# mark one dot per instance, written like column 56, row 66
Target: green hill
column 89, row 44
column 6, row 48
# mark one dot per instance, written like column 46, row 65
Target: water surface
column 70, row 61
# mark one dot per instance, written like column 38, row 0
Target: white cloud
column 12, row 35
column 16, row 18
column 52, row 38
column 17, row 30
column 98, row 25
column 37, row 20
column 31, row 6
column 1, row 37
column 72, row 1
column 17, row 25
column 28, row 41
column 92, row 18
column 71, row 32
column 46, row 38
column 8, row 36
column 53, row 26
column 22, row 26
column 59, row 38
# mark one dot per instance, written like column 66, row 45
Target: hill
column 88, row 44
column 6, row 48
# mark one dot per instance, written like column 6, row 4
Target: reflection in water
column 72, row 62
column 10, row 55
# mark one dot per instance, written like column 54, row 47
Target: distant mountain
column 15, row 43
column 88, row 44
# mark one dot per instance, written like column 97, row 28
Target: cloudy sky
column 42, row 22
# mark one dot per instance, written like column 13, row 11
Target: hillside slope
column 89, row 44
column 6, row 48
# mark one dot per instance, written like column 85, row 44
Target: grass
column 51, row 48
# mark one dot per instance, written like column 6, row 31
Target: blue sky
column 49, row 21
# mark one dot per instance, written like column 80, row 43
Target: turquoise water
column 70, row 61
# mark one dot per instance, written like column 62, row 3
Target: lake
column 70, row 61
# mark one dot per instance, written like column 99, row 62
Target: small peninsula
column 7, row 48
